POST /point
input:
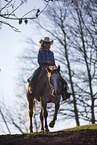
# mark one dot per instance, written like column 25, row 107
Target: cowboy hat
column 46, row 39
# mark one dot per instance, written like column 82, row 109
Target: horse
column 48, row 89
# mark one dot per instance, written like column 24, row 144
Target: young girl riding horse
column 46, row 58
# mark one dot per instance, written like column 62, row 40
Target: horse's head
column 54, row 79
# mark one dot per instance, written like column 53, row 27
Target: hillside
column 84, row 135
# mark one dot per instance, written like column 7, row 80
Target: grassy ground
column 82, row 135
column 85, row 127
column 79, row 128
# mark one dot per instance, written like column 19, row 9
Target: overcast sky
column 11, row 45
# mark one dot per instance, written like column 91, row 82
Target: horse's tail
column 26, row 115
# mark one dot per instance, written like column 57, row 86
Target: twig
column 14, row 28
column 5, row 121
column 5, row 5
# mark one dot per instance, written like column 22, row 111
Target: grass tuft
column 85, row 127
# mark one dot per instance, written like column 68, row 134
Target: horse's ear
column 58, row 67
column 49, row 70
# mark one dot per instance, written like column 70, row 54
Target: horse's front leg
column 43, row 116
column 52, row 123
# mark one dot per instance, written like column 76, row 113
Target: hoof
column 31, row 131
column 42, row 131
column 51, row 124
column 46, row 130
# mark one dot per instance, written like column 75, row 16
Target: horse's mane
column 52, row 68
column 45, row 71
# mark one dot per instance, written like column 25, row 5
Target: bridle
column 51, row 85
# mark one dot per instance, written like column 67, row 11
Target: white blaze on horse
column 48, row 89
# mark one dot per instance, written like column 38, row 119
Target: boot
column 29, row 79
column 65, row 95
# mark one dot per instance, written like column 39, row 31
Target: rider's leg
column 33, row 80
column 65, row 94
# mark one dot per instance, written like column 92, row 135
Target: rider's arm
column 52, row 59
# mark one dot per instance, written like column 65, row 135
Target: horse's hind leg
column 41, row 118
column 52, row 123
column 31, row 114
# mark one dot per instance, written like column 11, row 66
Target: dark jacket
column 44, row 56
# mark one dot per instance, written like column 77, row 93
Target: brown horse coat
column 48, row 89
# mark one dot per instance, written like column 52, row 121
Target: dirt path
column 85, row 137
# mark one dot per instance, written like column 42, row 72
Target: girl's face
column 46, row 45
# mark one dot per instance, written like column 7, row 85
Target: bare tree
column 87, row 49
column 58, row 14
column 8, row 11
column 75, row 50
column 74, row 28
